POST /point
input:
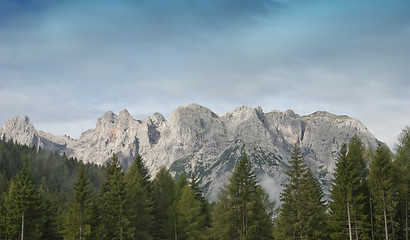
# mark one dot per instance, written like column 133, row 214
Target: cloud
column 76, row 59
column 271, row 186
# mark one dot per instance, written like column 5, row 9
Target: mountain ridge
column 195, row 139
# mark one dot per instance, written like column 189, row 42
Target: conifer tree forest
column 46, row 195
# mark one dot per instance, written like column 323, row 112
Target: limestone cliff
column 195, row 139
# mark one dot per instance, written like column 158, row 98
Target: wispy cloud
column 77, row 59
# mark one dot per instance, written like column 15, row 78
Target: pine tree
column 359, row 186
column 112, row 202
column 303, row 212
column 289, row 222
column 97, row 217
column 3, row 196
column 77, row 224
column 223, row 226
column 402, row 168
column 3, row 216
column 181, row 182
column 190, row 222
column 143, row 172
column 383, row 190
column 243, row 210
column 349, row 207
column 138, row 201
column 49, row 219
column 194, row 183
column 23, row 207
column 339, row 222
column 163, row 196
column 314, row 213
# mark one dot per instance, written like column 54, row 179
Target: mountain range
column 196, row 140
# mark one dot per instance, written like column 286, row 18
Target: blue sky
column 65, row 63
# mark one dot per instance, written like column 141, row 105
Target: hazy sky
column 65, row 63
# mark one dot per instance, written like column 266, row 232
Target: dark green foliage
column 402, row 169
column 338, row 222
column 195, row 186
column 314, row 213
column 163, row 197
column 3, row 216
column 56, row 195
column 143, row 172
column 138, row 203
column 77, row 222
column 23, row 207
column 49, row 221
column 112, row 202
column 194, row 183
column 350, row 206
column 181, row 182
column 3, row 206
column 243, row 210
column 303, row 212
column 190, row 221
column 53, row 171
column 383, row 189
column 359, row 186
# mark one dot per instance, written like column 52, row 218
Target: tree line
column 369, row 199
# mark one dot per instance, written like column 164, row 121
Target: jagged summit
column 108, row 117
column 124, row 114
column 22, row 120
column 191, row 109
column 19, row 129
column 195, row 139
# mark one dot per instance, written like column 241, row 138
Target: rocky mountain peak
column 156, row 119
column 195, row 139
column 322, row 114
column 19, row 129
column 243, row 112
column 290, row 113
column 191, row 109
column 22, row 120
column 108, row 117
column 185, row 116
column 124, row 114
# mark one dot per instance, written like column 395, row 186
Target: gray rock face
column 194, row 139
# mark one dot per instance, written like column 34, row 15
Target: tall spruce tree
column 180, row 183
column 243, row 210
column 194, row 183
column 359, row 184
column 77, row 222
column 3, row 206
column 3, row 216
column 303, row 211
column 314, row 213
column 349, row 207
column 383, row 190
column 163, row 196
column 138, row 201
column 190, row 221
column 143, row 172
column 339, row 222
column 402, row 168
column 112, row 202
column 50, row 216
column 23, row 206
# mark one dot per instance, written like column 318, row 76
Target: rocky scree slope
column 195, row 139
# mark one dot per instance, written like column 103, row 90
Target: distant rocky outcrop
column 195, row 139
